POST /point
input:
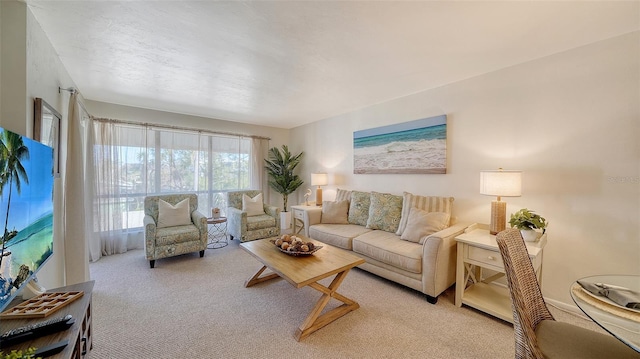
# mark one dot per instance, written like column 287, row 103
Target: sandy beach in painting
column 423, row 156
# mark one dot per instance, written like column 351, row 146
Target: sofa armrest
column 312, row 216
column 149, row 236
column 439, row 259
column 273, row 211
column 236, row 222
column 200, row 221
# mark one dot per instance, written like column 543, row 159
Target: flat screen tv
column 26, row 211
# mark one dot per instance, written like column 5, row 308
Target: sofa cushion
column 343, row 195
column 429, row 204
column 253, row 206
column 388, row 248
column 337, row 235
column 422, row 223
column 173, row 215
column 335, row 212
column 384, row 212
column 260, row 222
column 359, row 207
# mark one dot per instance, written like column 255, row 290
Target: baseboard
column 569, row 308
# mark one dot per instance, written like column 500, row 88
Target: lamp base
column 318, row 196
column 498, row 217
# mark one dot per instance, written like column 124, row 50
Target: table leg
column 256, row 278
column 314, row 320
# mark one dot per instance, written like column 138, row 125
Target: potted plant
column 280, row 166
column 528, row 222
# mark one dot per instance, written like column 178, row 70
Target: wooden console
column 79, row 335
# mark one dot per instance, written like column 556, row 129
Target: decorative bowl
column 299, row 254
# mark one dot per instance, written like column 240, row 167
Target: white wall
column 570, row 121
column 31, row 68
column 106, row 110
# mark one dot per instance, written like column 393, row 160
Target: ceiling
column 288, row 63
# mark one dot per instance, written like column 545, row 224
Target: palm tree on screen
column 12, row 153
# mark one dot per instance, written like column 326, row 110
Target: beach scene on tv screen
column 26, row 210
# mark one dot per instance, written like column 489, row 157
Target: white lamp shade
column 501, row 183
column 319, row 179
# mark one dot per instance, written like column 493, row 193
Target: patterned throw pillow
column 422, row 223
column 359, row 207
column 384, row 212
column 429, row 204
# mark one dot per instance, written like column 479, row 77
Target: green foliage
column 280, row 167
column 526, row 219
column 18, row 354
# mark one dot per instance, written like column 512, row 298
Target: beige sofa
column 375, row 230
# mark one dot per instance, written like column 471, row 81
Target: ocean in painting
column 413, row 150
column 34, row 242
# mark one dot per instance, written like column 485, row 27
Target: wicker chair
column 537, row 333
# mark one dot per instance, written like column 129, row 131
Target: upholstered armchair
column 251, row 225
column 173, row 226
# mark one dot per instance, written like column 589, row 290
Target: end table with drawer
column 298, row 218
column 478, row 251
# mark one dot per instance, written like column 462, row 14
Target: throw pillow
column 384, row 212
column 359, row 207
column 335, row 212
column 173, row 215
column 421, row 223
column 343, row 195
column 253, row 206
column 429, row 204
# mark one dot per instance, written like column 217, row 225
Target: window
column 133, row 161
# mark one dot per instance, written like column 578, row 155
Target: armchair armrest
column 236, row 222
column 149, row 236
column 200, row 221
column 439, row 259
column 273, row 211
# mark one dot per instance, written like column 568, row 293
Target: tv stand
column 79, row 336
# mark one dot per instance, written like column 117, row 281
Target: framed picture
column 46, row 129
column 418, row 146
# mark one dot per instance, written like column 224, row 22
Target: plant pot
column 529, row 235
column 285, row 220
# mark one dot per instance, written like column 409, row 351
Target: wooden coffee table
column 307, row 271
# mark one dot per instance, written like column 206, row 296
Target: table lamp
column 319, row 179
column 500, row 183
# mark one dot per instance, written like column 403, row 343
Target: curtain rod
column 176, row 128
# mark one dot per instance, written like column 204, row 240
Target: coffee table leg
column 316, row 321
column 255, row 279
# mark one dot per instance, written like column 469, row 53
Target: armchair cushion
column 253, row 206
column 260, row 222
column 173, row 215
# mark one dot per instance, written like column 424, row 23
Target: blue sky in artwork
column 405, row 126
column 35, row 199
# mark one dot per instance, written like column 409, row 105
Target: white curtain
column 77, row 196
column 259, row 151
column 111, row 212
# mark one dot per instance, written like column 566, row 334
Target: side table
column 477, row 251
column 217, row 232
column 298, row 218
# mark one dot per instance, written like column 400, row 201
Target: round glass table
column 623, row 323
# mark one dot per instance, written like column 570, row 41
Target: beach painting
column 418, row 146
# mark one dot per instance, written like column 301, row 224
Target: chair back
column 151, row 202
column 234, row 198
column 527, row 301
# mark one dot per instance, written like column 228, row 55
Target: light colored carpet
column 191, row 307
